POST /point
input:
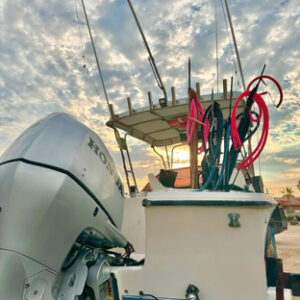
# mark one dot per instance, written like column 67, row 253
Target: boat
column 68, row 230
column 184, row 234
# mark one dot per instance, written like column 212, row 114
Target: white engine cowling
column 58, row 182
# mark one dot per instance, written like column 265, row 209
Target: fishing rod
column 235, row 44
column 224, row 178
column 263, row 112
column 151, row 58
column 242, row 130
column 237, row 56
column 95, row 53
column 215, row 180
column 217, row 46
column 189, row 75
column 238, row 133
column 212, row 179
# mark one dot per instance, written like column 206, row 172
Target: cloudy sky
column 47, row 65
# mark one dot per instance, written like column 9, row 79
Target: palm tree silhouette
column 287, row 193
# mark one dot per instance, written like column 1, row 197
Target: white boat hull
column 188, row 240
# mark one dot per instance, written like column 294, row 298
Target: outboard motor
column 61, row 208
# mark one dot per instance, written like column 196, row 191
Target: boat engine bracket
column 76, row 276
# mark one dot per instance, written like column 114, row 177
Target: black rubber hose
column 256, row 127
column 212, row 154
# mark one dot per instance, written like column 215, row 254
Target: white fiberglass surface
column 187, row 194
column 272, row 294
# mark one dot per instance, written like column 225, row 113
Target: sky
column 47, row 65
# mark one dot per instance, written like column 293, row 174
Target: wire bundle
column 191, row 122
column 263, row 113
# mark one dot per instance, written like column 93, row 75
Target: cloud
column 47, row 64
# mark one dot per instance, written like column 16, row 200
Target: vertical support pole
column 129, row 106
column 111, row 110
column 194, row 149
column 173, row 95
column 225, row 89
column 280, row 283
column 279, row 293
column 168, row 158
column 150, row 100
column 217, row 55
column 198, row 90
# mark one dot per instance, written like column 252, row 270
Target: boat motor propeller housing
column 61, row 202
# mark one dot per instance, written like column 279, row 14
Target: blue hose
column 219, row 182
column 211, row 175
column 212, row 111
column 213, row 170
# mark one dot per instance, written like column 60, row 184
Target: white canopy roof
column 151, row 124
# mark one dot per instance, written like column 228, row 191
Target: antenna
column 235, row 45
column 95, row 53
column 217, row 56
column 230, row 103
column 151, row 58
column 189, row 74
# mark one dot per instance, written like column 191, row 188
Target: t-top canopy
column 151, row 124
